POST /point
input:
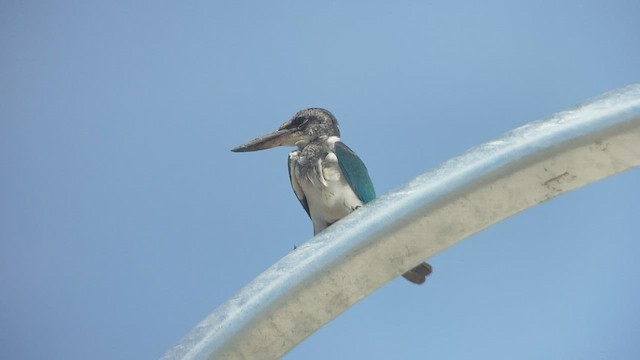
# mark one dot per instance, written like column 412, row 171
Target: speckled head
column 305, row 126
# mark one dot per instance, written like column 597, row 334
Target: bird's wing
column 355, row 172
column 295, row 185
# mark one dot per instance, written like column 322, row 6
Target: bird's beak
column 282, row 137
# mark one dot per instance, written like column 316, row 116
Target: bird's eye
column 293, row 123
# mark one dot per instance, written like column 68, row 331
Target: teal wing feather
column 355, row 172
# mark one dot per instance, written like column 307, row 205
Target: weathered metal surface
column 354, row 257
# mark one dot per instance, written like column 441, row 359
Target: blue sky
column 125, row 219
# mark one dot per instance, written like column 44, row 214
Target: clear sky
column 125, row 219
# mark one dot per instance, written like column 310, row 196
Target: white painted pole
column 343, row 264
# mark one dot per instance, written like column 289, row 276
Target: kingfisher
column 327, row 177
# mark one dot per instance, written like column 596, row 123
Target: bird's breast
column 327, row 192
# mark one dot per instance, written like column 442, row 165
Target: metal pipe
column 348, row 261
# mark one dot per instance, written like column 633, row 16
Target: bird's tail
column 418, row 274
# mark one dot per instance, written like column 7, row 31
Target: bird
column 327, row 177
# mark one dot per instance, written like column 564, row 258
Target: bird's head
column 305, row 126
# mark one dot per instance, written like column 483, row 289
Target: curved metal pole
column 349, row 260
